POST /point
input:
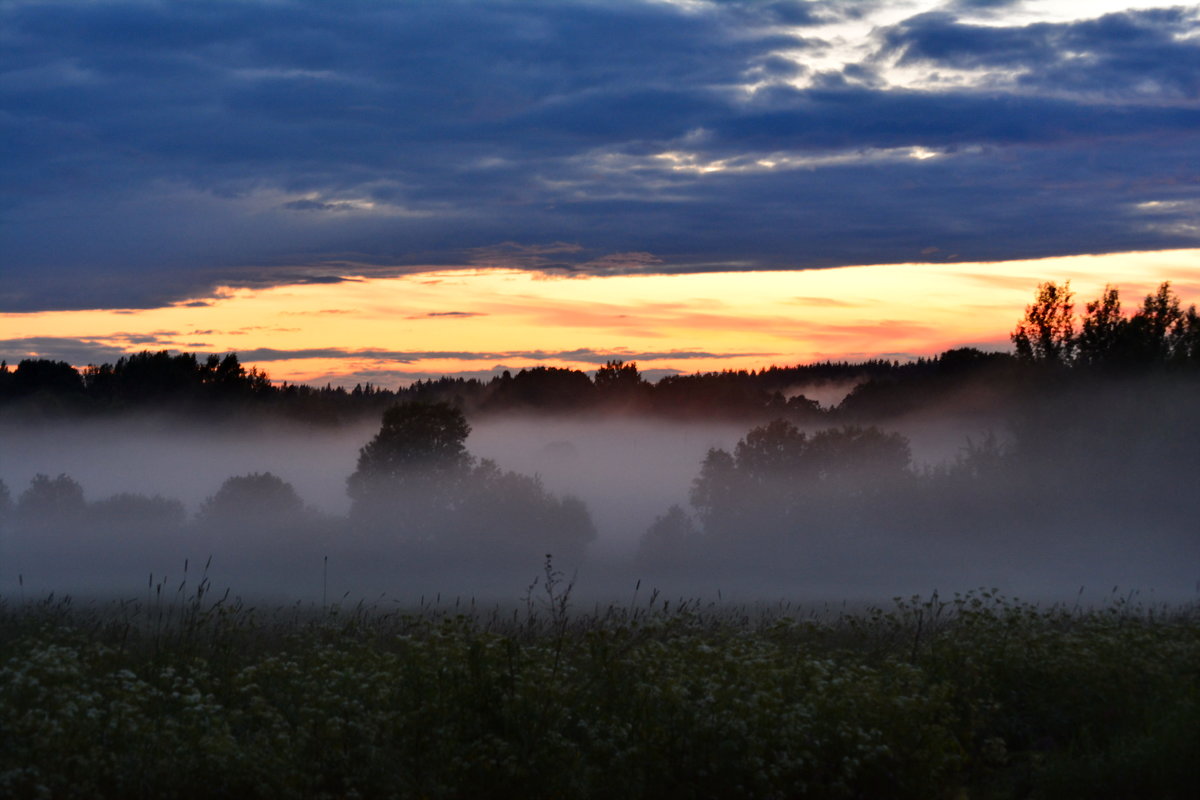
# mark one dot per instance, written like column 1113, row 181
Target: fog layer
column 1042, row 523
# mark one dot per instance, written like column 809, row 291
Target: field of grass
column 974, row 696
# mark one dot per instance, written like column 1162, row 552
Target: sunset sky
column 384, row 191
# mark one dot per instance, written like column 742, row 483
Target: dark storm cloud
column 983, row 6
column 151, row 151
column 849, row 116
column 1134, row 53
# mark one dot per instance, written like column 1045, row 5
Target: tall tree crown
column 429, row 437
column 1046, row 334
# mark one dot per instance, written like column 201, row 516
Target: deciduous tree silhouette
column 1046, row 334
column 1104, row 334
column 780, row 481
column 716, row 492
column 1160, row 332
column 415, row 479
column 772, row 450
column 1157, row 326
column 411, row 475
column 858, row 454
column 417, row 442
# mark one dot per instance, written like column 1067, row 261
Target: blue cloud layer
column 108, row 350
column 152, row 150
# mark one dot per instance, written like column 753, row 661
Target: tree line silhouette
column 221, row 386
column 1158, row 333
column 1159, row 336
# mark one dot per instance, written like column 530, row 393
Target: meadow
column 185, row 694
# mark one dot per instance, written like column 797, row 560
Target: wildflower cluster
column 929, row 699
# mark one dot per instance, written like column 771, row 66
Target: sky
column 384, row 191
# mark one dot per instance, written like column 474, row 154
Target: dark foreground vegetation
column 973, row 697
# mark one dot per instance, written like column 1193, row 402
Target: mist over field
column 1039, row 531
column 626, row 471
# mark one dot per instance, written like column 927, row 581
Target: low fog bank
column 627, row 470
column 179, row 458
column 1077, row 493
column 323, row 569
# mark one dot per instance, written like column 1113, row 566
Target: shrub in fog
column 781, row 485
column 131, row 511
column 671, row 539
column 506, row 514
column 51, row 502
column 257, row 499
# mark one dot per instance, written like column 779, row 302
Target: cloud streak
column 94, row 351
column 584, row 355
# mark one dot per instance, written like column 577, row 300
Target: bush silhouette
column 257, row 499
column 671, row 539
column 780, row 481
column 127, row 510
column 51, row 503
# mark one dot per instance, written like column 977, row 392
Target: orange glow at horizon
column 473, row 321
